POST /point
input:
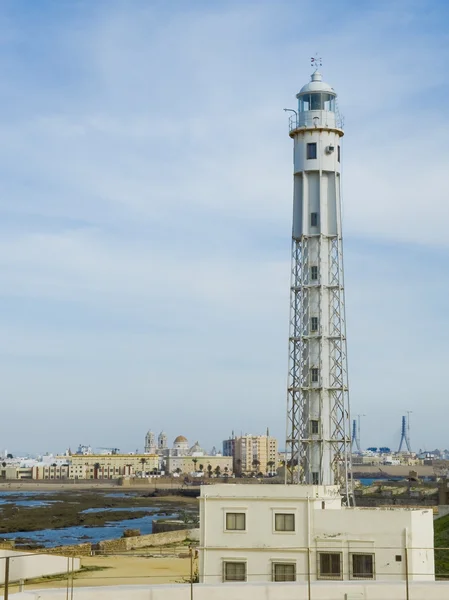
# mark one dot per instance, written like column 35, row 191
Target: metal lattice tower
column 318, row 441
column 355, row 438
column 405, row 433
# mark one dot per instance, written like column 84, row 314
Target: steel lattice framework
column 331, row 341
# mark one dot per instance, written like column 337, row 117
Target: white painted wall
column 29, row 566
column 349, row 590
column 321, row 525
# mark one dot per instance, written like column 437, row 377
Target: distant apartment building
column 229, row 446
column 255, row 454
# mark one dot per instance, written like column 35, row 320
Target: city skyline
column 146, row 216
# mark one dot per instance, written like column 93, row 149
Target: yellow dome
column 180, row 439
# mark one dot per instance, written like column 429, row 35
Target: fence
column 140, row 573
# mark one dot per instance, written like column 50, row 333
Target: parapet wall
column 323, row 590
column 30, row 566
column 143, row 541
column 77, row 550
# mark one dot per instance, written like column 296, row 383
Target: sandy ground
column 124, row 570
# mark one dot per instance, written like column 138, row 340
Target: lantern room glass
column 316, row 101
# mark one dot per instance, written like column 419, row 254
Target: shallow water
column 119, row 509
column 20, row 499
column 76, row 535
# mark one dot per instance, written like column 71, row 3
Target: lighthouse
column 318, row 440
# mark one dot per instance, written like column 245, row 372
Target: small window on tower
column 314, row 219
column 314, row 375
column 314, row 324
column 311, row 150
column 338, row 154
column 314, row 426
column 314, row 273
column 315, row 479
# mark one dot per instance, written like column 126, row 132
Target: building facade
column 112, row 466
column 229, row 446
column 194, row 460
column 299, row 533
column 216, row 466
column 255, row 454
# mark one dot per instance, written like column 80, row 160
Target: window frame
column 329, row 577
column 234, row 562
column 235, row 514
column 314, row 424
column 351, row 565
column 338, row 153
column 314, row 271
column 314, row 320
column 314, row 219
column 280, row 563
column 284, row 514
column 311, row 151
column 314, row 375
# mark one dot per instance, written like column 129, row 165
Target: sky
column 145, row 215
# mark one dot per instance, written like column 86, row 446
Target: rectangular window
column 314, row 273
column 314, row 426
column 234, row 571
column 284, row 572
column 284, row 522
column 311, row 150
column 329, row 565
column 314, row 375
column 235, row 521
column 314, row 324
column 314, row 219
column 362, row 566
column 338, row 153
column 315, row 478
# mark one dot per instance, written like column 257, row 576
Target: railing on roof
column 317, row 118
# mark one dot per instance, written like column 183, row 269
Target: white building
column 301, row 532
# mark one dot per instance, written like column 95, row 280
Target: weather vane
column 316, row 61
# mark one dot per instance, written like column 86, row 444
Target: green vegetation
column 441, row 532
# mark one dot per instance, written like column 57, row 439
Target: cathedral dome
column 180, row 439
column 196, row 450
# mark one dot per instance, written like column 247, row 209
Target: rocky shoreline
column 64, row 509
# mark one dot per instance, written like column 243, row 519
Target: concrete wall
column 143, row 541
column 29, row 566
column 279, row 591
column 75, row 550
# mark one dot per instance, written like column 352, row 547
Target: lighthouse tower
column 318, row 441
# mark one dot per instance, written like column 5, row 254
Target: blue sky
column 145, row 202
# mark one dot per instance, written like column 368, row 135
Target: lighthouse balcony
column 314, row 119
